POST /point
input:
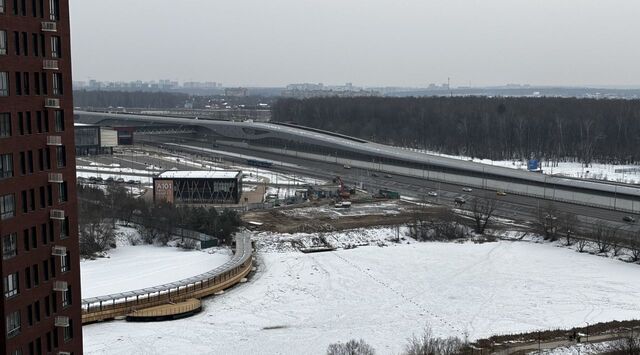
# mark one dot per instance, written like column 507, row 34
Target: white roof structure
column 200, row 174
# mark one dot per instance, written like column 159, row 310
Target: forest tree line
column 129, row 99
column 551, row 129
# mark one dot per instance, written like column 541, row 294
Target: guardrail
column 107, row 307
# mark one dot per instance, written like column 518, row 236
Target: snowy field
column 130, row 268
column 300, row 303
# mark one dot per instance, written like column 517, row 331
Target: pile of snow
column 284, row 242
column 579, row 349
column 300, row 303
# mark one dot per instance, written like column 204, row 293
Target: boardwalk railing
column 106, row 307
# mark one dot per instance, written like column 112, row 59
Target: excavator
column 343, row 194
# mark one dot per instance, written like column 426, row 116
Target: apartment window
column 34, row 238
column 36, row 309
column 39, row 123
column 30, row 161
column 16, row 42
column 21, row 9
column 45, row 120
column 47, row 305
column 68, row 331
column 41, row 159
column 25, row 239
column 5, row 124
column 29, row 316
column 25, row 207
column 13, row 324
column 45, row 88
column 47, row 158
column 18, row 83
column 25, row 77
column 54, row 10
column 64, row 229
column 27, row 121
column 36, row 276
column 4, row 83
column 27, row 277
column 7, row 206
column 66, row 298
column 59, row 120
column 23, row 163
column 11, row 285
column 62, row 192
column 61, row 156
column 21, row 123
column 57, row 84
column 9, row 246
column 56, row 47
column 36, row 46
column 64, row 262
column 43, row 200
column 37, row 83
column 43, row 233
column 6, row 166
column 49, row 196
column 25, row 43
column 45, row 272
column 2, row 6
column 3, row 42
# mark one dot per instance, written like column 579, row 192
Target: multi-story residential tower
column 40, row 306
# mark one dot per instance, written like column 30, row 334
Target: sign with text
column 163, row 190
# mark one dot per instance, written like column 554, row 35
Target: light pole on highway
column 587, row 331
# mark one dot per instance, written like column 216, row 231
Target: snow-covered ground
column 300, row 303
column 130, row 268
column 629, row 174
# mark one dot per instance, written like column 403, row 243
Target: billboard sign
column 163, row 190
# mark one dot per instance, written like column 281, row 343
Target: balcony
column 52, row 103
column 48, row 26
column 57, row 250
column 50, row 64
column 57, row 214
column 60, row 286
column 62, row 321
column 55, row 178
column 54, row 140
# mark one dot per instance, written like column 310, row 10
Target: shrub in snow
column 352, row 347
column 428, row 344
column 629, row 345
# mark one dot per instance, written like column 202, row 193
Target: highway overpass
column 316, row 145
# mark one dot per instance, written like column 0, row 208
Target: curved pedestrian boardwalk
column 108, row 307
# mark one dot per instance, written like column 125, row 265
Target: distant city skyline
column 408, row 43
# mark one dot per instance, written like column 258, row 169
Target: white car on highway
column 467, row 189
column 432, row 194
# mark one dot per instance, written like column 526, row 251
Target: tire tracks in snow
column 400, row 294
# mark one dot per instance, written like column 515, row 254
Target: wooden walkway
column 166, row 311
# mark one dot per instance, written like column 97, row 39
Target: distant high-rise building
column 40, row 310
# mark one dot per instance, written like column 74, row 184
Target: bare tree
column 603, row 236
column 582, row 245
column 428, row 344
column 635, row 251
column 352, row 347
column 483, row 210
column 547, row 221
column 629, row 345
column 567, row 224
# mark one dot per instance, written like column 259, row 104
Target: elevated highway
column 314, row 145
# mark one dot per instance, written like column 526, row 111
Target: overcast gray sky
column 367, row 42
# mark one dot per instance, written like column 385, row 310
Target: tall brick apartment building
column 40, row 307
